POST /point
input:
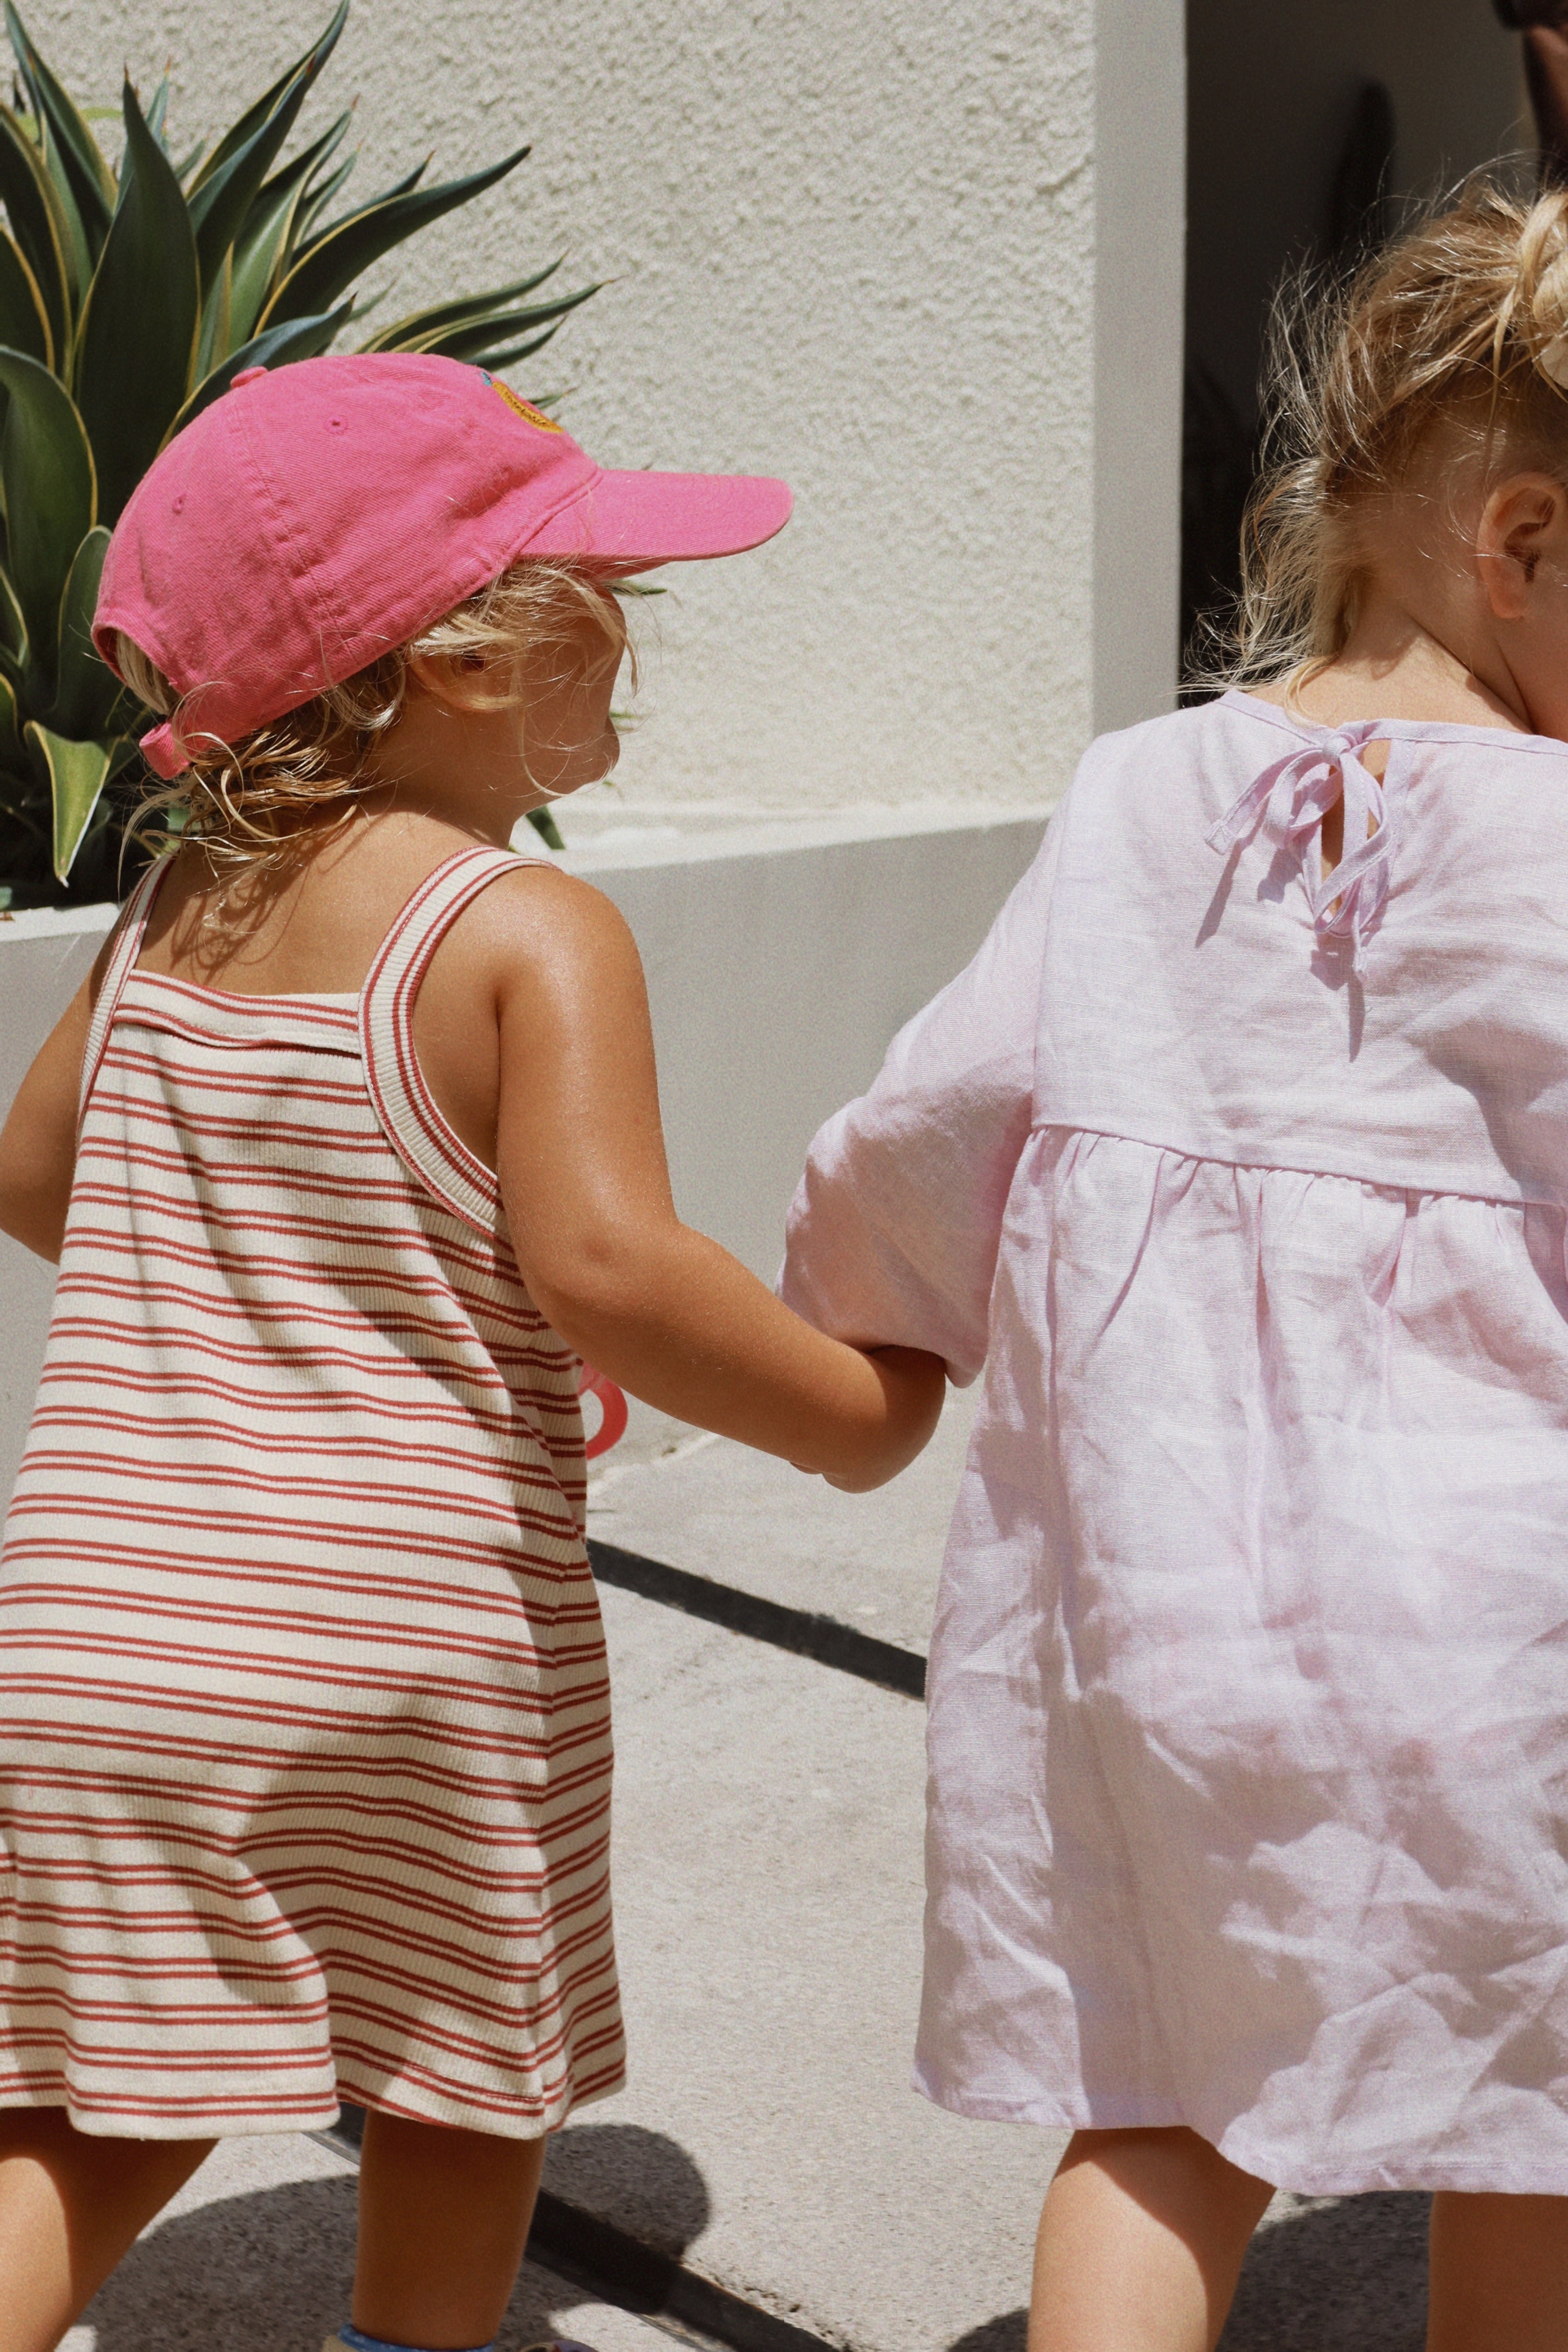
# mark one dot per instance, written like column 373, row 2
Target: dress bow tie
column 1294, row 795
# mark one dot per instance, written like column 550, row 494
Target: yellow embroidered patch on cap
column 524, row 408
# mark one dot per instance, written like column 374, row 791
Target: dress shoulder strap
column 126, row 947
column 404, row 1104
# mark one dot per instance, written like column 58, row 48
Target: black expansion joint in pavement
column 616, row 2268
column 802, row 1630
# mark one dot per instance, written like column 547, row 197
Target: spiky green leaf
column 329, row 266
column 407, row 334
column 38, row 222
column 295, row 339
column 314, row 202
column 13, row 648
column 137, row 340
column 215, row 339
column 221, row 196
column 81, row 168
column 51, row 504
column 11, row 751
column 77, row 773
column 509, row 356
column 85, row 691
column 24, row 322
column 310, row 64
column 319, row 196
column 263, row 250
column 506, row 327
column 547, row 829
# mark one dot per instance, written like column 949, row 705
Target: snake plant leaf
column 547, row 829
column 407, row 334
column 222, row 197
column 318, row 198
column 331, row 264
column 489, row 333
column 213, row 334
column 85, row 691
column 304, row 68
column 137, row 338
column 14, row 645
column 82, row 171
column 157, row 118
column 24, row 322
column 320, row 195
column 38, row 222
column 77, row 773
column 508, row 357
column 11, row 752
column 50, row 491
column 294, row 339
column 262, row 250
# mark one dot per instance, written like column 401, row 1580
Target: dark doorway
column 1308, row 126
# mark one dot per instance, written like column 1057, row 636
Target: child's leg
column 443, row 2221
column 70, row 2206
column 1141, row 2243
column 1499, row 2274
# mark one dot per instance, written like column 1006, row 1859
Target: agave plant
column 129, row 299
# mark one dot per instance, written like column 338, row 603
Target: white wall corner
column 1139, row 214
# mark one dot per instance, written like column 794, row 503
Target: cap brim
column 632, row 523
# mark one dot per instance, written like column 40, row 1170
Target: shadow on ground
column 271, row 2272
column 1346, row 2275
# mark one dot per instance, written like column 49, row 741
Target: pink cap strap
column 162, row 752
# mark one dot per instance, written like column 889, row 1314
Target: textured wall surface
column 852, row 246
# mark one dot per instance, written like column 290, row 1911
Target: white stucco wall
column 854, row 246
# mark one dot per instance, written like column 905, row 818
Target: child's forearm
column 690, row 1331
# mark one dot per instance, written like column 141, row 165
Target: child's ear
column 460, row 681
column 1523, row 522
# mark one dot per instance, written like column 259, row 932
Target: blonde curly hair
column 269, row 798
column 1462, row 317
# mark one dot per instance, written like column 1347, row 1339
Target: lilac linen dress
column 1248, row 1735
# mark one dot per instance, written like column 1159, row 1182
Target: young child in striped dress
column 348, row 1149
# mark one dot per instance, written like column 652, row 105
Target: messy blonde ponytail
column 1463, row 318
column 259, row 804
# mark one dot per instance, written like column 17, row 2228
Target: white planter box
column 781, row 958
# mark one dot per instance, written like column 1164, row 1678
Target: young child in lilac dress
column 1238, row 1160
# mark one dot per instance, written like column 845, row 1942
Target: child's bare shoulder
column 538, row 924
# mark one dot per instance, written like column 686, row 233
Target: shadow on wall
column 276, row 2267
column 1347, row 2274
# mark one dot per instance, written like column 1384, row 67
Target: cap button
column 246, row 375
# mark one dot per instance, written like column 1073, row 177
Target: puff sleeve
column 894, row 1229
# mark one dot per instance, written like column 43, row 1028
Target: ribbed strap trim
column 127, row 947
column 404, row 1104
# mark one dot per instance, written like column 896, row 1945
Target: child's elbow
column 596, row 1283
column 34, row 1218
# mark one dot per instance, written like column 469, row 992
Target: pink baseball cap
column 320, row 514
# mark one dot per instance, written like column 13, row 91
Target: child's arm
column 661, row 1309
column 38, row 1143
column 895, row 1230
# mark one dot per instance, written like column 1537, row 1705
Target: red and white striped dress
column 304, row 1716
